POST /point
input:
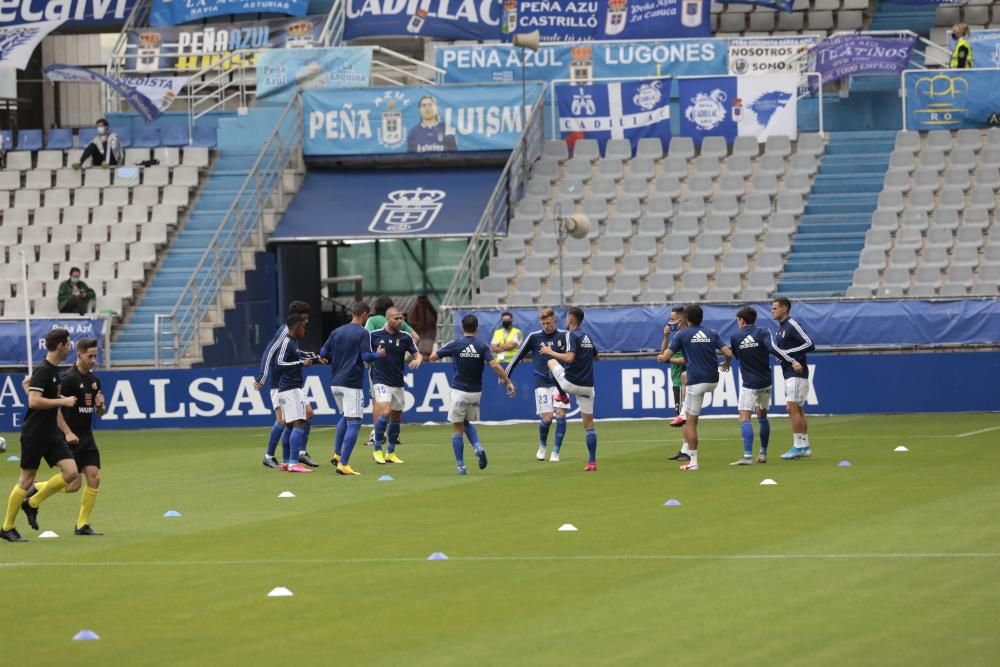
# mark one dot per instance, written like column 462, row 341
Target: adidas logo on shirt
column 748, row 343
column 700, row 337
column 469, row 351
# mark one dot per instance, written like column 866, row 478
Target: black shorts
column 86, row 452
column 52, row 448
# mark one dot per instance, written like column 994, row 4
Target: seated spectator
column 74, row 294
column 105, row 149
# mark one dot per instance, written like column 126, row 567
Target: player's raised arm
column 728, row 354
column 521, row 351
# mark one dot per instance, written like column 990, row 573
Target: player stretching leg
column 577, row 377
column 290, row 361
column 790, row 347
column 41, row 438
column 470, row 357
column 387, row 382
column 549, row 401
column 699, row 345
column 678, row 378
column 278, row 429
column 348, row 349
column 752, row 347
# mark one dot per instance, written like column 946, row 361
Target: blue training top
column 700, row 345
column 348, row 348
column 791, row 344
column 470, row 356
column 752, row 348
column 267, row 360
column 581, row 371
column 531, row 345
column 389, row 370
column 288, row 365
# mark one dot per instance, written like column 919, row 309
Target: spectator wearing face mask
column 105, row 149
column 506, row 339
column 74, row 294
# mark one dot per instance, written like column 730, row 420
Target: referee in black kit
column 80, row 381
column 42, row 437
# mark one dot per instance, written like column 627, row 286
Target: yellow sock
column 39, row 486
column 13, row 505
column 54, row 485
column 86, row 506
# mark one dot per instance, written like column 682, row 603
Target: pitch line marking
column 982, row 430
column 475, row 559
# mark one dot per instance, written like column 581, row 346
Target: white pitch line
column 982, row 430
column 479, row 559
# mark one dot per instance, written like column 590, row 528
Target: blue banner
column 150, row 96
column 582, row 62
column 732, row 106
column 780, row 5
column 630, row 110
column 583, row 20
column 985, row 47
column 388, row 203
column 831, row 323
column 175, row 12
column 433, row 119
column 626, row 389
column 438, row 19
column 952, row 99
column 283, row 72
column 13, row 351
column 13, row 12
column 849, row 55
column 201, row 46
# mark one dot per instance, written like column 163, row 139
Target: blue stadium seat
column 204, row 137
column 29, row 140
column 147, row 137
column 175, row 136
column 6, row 139
column 60, row 139
column 85, row 136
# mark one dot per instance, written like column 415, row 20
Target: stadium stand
column 114, row 224
column 713, row 223
column 815, row 17
column 933, row 232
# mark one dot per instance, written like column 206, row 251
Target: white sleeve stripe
column 805, row 345
column 35, row 389
column 281, row 357
column 780, row 351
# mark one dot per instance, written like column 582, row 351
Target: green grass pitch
column 892, row 561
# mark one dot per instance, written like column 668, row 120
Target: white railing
column 508, row 191
column 224, row 253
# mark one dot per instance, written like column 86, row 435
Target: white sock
column 799, row 440
column 694, row 456
column 805, row 439
column 683, row 413
column 684, row 449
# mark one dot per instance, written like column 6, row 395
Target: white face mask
column 101, row 129
column 74, row 280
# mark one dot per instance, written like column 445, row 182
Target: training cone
column 437, row 555
column 47, row 535
column 387, row 478
column 85, row 635
column 286, row 494
column 673, row 502
column 171, row 514
column 769, row 482
column 901, row 448
column 280, row 592
column 844, row 464
column 567, row 528
column 13, row 458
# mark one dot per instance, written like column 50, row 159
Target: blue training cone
column 844, row 464
column 13, row 458
column 437, row 555
column 85, row 635
column 673, row 502
column 172, row 514
column 387, row 478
